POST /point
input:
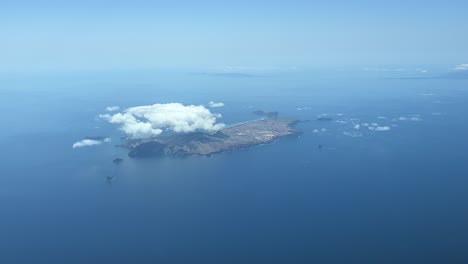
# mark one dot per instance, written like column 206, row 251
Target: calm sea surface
column 395, row 196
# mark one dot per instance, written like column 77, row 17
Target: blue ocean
column 385, row 181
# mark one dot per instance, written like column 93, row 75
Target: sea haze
column 383, row 182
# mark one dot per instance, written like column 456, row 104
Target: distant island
column 234, row 137
column 117, row 160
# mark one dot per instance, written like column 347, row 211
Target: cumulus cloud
column 215, row 104
column 89, row 142
column 112, row 108
column 151, row 120
column 379, row 128
column 462, row 67
column 321, row 130
column 408, row 118
column 352, row 134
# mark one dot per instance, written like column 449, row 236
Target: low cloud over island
column 151, row 120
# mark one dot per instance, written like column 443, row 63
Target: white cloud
column 321, row 130
column 352, row 134
column 304, row 108
column 379, row 128
column 112, row 108
column 376, row 127
column 357, row 126
column 215, row 104
column 89, row 142
column 462, row 67
column 151, row 120
column 408, row 118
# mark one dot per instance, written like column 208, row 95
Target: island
column 233, row 137
column 117, row 160
column 110, row 178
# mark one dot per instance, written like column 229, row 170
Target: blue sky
column 56, row 35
